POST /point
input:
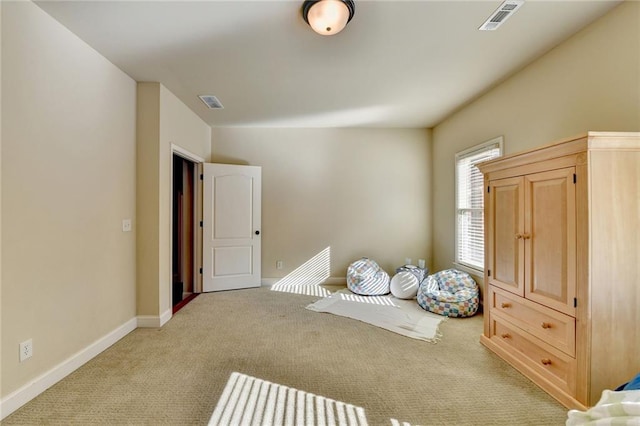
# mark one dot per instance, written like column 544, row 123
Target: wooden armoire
column 562, row 264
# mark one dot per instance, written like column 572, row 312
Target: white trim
column 148, row 321
column 154, row 321
column 197, row 237
column 43, row 382
column 268, row 282
column 166, row 316
column 497, row 140
column 484, row 145
column 197, row 264
column 175, row 149
column 477, row 274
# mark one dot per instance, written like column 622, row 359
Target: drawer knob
column 505, row 305
column 546, row 325
column 505, row 335
column 545, row 361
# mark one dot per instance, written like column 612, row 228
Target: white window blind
column 470, row 202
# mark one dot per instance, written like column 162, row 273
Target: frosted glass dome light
column 328, row 17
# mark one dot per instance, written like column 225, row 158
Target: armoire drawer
column 552, row 327
column 555, row 366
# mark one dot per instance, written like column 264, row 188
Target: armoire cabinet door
column 550, row 239
column 505, row 261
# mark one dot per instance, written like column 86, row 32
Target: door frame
column 197, row 215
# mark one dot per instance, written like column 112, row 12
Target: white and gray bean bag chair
column 365, row 277
column 405, row 283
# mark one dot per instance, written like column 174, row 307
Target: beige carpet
column 177, row 374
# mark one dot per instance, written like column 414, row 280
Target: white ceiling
column 397, row 64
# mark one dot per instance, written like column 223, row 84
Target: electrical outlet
column 126, row 225
column 26, row 350
column 279, row 264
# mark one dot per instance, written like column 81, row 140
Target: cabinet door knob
column 545, row 361
column 505, row 335
column 505, row 305
column 518, row 236
column 526, row 236
column 546, row 325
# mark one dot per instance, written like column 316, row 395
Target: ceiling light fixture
column 328, row 17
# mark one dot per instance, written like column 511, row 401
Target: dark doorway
column 183, row 231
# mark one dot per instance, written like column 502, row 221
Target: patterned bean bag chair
column 366, row 278
column 451, row 293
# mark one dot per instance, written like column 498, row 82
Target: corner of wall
column 154, row 321
column 0, row 199
column 164, row 121
column 430, row 188
column 147, row 198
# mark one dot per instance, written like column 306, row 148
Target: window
column 470, row 202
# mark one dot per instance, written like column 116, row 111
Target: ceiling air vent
column 501, row 14
column 211, row 101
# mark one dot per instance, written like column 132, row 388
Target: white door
column 231, row 227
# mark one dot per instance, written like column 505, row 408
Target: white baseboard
column 166, row 316
column 268, row 282
column 148, row 321
column 43, row 382
column 154, row 321
column 336, row 281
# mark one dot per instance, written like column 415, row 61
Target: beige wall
column 361, row 192
column 68, row 173
column 71, row 152
column 148, row 199
column 163, row 120
column 0, row 201
column 590, row 82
